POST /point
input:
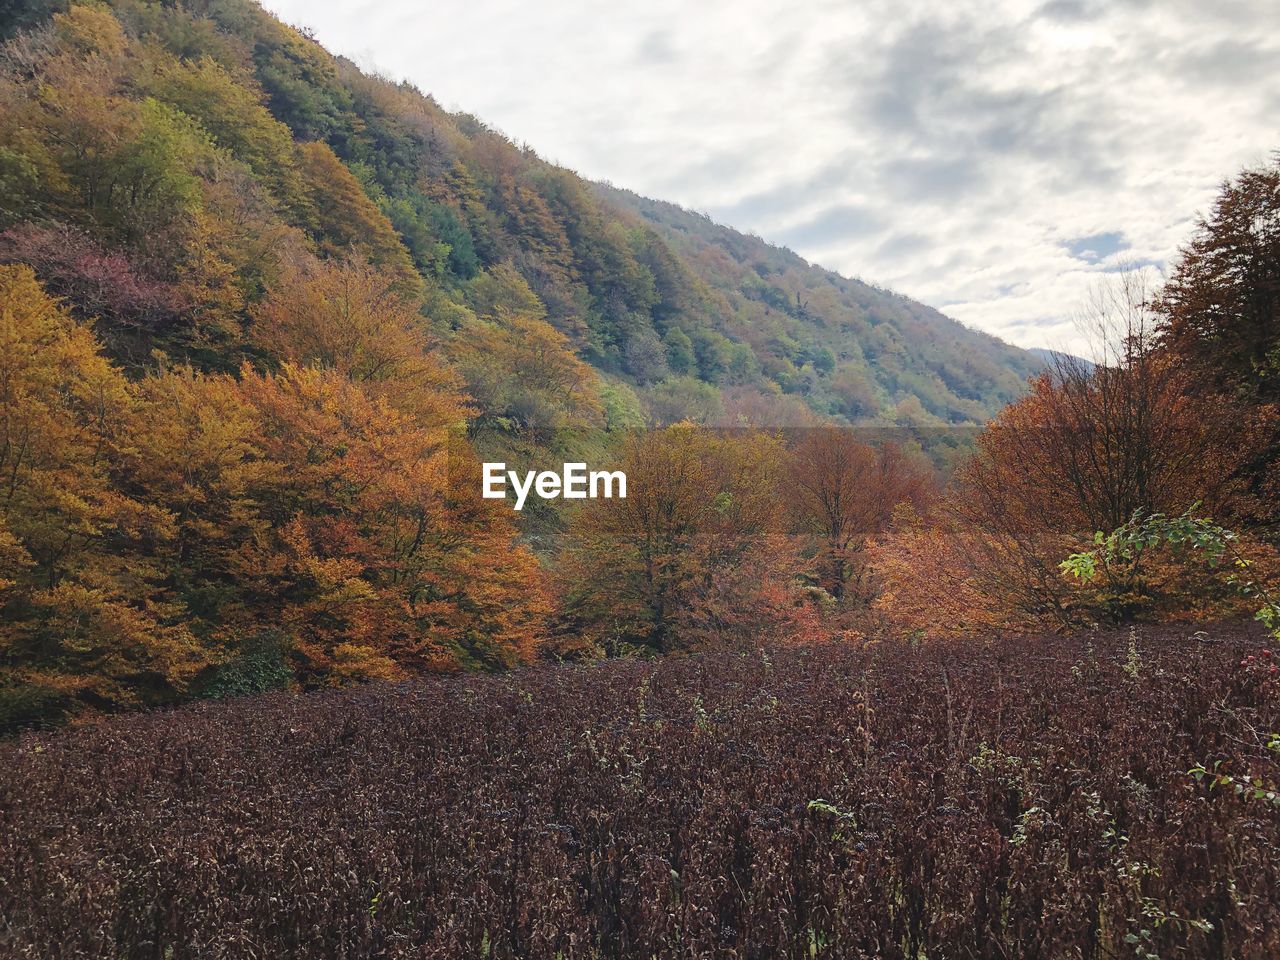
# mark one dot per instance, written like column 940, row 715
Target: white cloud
column 960, row 151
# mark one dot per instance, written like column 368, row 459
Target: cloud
column 1068, row 10
column 1226, row 62
column 657, row 48
column 997, row 157
column 1097, row 247
column 947, row 177
column 902, row 245
column 833, row 224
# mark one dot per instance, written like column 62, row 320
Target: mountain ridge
column 261, row 149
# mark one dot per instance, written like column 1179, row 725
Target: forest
column 263, row 316
column 904, row 642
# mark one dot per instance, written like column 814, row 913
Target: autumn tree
column 101, row 284
column 1089, row 446
column 344, row 218
column 842, row 493
column 83, row 618
column 376, row 562
column 306, row 508
column 354, row 318
column 1093, row 442
column 230, row 109
column 936, row 576
column 1220, row 311
column 196, row 452
column 1221, row 306
column 695, row 554
column 524, row 373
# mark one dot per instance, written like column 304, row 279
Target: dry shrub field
column 1031, row 798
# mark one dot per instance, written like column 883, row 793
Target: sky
column 995, row 159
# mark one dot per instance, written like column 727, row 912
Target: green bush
column 24, row 705
column 262, row 667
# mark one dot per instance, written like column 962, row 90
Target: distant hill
column 188, row 156
column 1048, row 357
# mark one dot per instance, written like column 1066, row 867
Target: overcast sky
column 989, row 157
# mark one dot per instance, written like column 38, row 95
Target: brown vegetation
column 1030, row 798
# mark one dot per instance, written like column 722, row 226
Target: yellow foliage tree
column 352, row 317
column 347, row 220
column 694, row 555
column 520, row 369
column 82, row 616
column 231, row 110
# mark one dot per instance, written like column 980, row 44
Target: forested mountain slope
column 850, row 349
column 168, row 167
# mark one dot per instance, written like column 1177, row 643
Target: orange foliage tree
column 842, row 493
column 1085, row 450
column 306, row 508
column 694, row 555
column 375, row 553
column 81, row 617
column 353, row 318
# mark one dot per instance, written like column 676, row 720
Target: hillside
column 261, row 318
column 1052, row 357
column 849, row 349
column 166, row 165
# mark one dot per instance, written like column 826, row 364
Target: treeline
column 185, row 533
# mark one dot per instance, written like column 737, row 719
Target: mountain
column 168, row 166
column 848, row 348
column 1055, row 357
